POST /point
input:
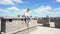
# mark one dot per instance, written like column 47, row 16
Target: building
column 55, row 21
column 15, row 24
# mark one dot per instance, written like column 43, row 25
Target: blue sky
column 39, row 8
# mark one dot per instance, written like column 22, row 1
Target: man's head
column 28, row 10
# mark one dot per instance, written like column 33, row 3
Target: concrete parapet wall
column 24, row 31
column 18, row 24
column 15, row 25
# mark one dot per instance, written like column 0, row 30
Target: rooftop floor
column 45, row 30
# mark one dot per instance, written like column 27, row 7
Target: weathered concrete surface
column 40, row 30
column 45, row 30
column 25, row 31
column 17, row 25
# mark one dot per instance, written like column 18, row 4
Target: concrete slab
column 45, row 30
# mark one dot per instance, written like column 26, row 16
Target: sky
column 39, row 8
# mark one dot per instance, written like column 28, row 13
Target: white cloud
column 10, row 2
column 20, row 12
column 47, row 10
column 43, row 9
column 13, row 8
column 54, row 14
column 58, row 9
column 12, row 11
column 18, row 1
column 3, row 10
column 6, row 2
column 16, row 10
column 57, row 0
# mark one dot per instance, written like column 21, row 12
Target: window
column 10, row 20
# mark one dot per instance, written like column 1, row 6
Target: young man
column 27, row 18
column 26, row 14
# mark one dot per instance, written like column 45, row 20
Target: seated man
column 27, row 18
column 26, row 14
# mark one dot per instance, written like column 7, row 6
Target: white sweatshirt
column 26, row 14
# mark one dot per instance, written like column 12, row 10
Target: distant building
column 45, row 20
